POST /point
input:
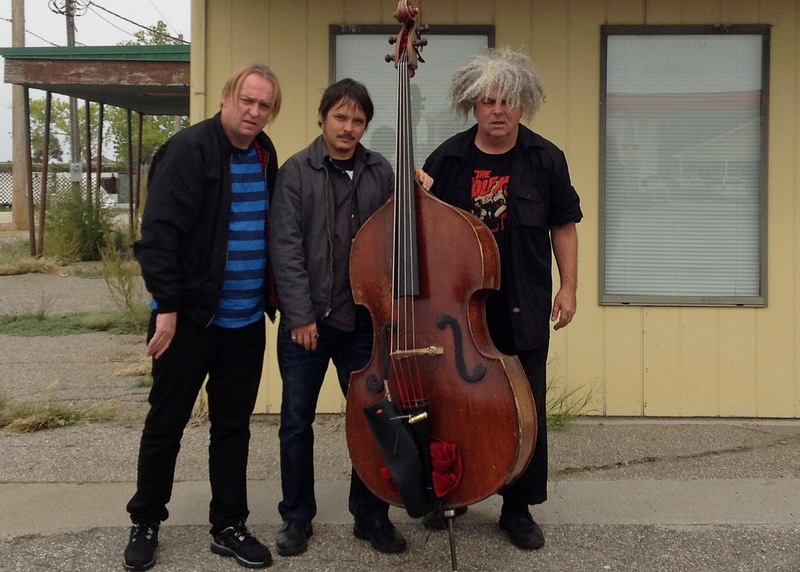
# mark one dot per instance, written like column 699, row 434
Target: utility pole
column 20, row 171
column 74, row 125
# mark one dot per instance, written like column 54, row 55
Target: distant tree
column 59, row 128
column 156, row 129
column 157, row 35
column 59, row 121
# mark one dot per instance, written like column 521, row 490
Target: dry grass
column 20, row 416
column 140, row 369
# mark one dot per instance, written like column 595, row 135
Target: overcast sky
column 104, row 23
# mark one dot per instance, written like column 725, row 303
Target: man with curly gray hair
column 517, row 182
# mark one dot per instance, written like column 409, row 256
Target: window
column 683, row 165
column 358, row 52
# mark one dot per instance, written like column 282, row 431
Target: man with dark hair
column 203, row 254
column 324, row 194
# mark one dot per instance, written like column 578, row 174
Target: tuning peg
column 419, row 43
column 392, row 40
column 389, row 57
column 423, row 29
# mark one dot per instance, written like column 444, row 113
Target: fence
column 113, row 186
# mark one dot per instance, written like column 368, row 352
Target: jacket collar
column 226, row 144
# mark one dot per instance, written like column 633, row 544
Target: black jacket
column 302, row 239
column 184, row 244
column 540, row 195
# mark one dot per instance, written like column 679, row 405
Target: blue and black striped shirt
column 242, row 302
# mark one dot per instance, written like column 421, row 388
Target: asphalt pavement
column 625, row 494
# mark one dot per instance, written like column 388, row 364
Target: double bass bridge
column 420, row 352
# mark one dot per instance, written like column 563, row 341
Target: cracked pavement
column 626, row 494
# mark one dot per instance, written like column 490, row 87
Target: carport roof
column 153, row 80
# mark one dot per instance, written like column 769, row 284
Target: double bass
column 438, row 419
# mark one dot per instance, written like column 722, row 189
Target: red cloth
column 387, row 478
column 446, row 464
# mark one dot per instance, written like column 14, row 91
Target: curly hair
column 513, row 73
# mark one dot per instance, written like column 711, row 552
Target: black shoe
column 381, row 533
column 521, row 529
column 236, row 541
column 434, row 520
column 293, row 537
column 140, row 554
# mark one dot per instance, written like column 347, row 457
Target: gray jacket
column 301, row 228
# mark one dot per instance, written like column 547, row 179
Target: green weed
column 564, row 406
column 40, row 324
column 122, row 276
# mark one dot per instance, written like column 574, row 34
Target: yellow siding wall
column 631, row 360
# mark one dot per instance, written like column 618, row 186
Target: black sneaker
column 293, row 537
column 237, row 542
column 140, row 554
column 434, row 520
column 521, row 529
column 381, row 533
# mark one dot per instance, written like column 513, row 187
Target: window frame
column 388, row 30
column 759, row 300
column 438, row 121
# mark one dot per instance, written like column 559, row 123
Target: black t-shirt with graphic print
column 491, row 176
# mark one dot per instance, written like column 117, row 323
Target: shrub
column 76, row 226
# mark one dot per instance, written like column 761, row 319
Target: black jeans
column 531, row 486
column 232, row 359
column 303, row 372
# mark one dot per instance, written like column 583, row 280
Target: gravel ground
column 86, row 368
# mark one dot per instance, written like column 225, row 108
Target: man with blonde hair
column 203, row 254
column 518, row 184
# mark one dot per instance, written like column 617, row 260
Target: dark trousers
column 303, row 373
column 531, row 486
column 232, row 359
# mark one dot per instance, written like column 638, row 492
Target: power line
column 110, row 23
column 162, row 17
column 34, row 34
column 85, row 5
column 147, row 28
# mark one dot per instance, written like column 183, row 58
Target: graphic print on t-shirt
column 489, row 198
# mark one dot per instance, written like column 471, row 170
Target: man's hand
column 424, row 179
column 306, row 336
column 564, row 306
column 162, row 338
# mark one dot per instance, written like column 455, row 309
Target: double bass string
column 397, row 267
column 400, row 337
column 407, row 227
column 404, row 253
